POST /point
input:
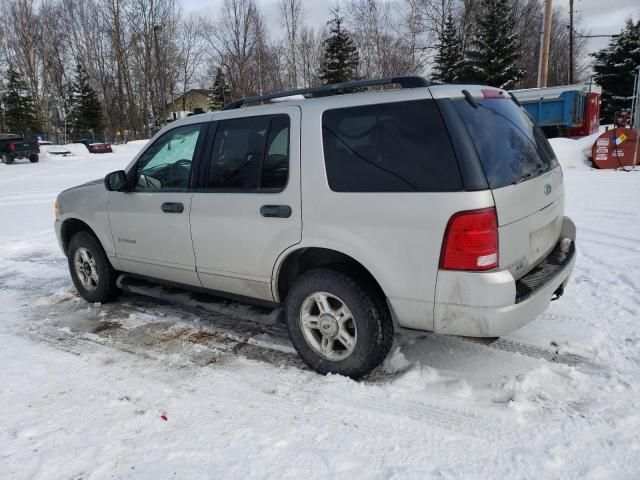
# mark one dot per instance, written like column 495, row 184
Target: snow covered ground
column 203, row 389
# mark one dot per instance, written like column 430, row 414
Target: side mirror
column 116, row 181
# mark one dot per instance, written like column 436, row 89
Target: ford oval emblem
column 547, row 189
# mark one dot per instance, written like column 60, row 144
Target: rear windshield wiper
column 524, row 177
column 529, row 175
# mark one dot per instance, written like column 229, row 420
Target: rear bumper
column 493, row 304
column 24, row 153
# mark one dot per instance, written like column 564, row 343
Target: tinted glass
column 250, row 153
column 390, row 147
column 275, row 169
column 511, row 147
column 166, row 165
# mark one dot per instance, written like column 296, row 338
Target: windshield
column 511, row 147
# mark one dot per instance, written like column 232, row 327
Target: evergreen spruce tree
column 449, row 53
column 220, row 93
column 19, row 110
column 340, row 59
column 494, row 48
column 85, row 109
column 614, row 70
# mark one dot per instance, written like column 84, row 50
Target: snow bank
column 574, row 153
column 77, row 149
column 80, row 150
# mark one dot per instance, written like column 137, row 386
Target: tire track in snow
column 616, row 279
column 479, row 424
column 609, row 235
column 372, row 398
column 550, row 355
column 188, row 330
column 169, row 339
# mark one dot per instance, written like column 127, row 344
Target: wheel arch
column 70, row 227
column 303, row 259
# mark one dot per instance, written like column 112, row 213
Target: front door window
column 166, row 165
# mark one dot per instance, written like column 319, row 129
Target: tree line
column 108, row 67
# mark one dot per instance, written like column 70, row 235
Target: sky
column 317, row 11
column 596, row 17
column 603, row 18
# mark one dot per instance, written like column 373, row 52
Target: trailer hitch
column 558, row 293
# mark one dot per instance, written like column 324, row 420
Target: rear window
column 389, row 147
column 511, row 147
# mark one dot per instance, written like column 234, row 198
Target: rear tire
column 91, row 272
column 34, row 158
column 8, row 159
column 339, row 322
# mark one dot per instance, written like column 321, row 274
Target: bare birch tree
column 292, row 18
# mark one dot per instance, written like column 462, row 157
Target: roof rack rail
column 332, row 89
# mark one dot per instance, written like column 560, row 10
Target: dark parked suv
column 13, row 146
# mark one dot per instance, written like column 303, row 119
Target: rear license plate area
column 542, row 240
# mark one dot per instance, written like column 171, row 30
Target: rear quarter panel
column 396, row 236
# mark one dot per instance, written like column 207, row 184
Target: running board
column 206, row 302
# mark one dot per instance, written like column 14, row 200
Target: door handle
column 278, row 211
column 172, row 207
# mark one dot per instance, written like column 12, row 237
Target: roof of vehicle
column 333, row 95
column 332, row 89
column 10, row 136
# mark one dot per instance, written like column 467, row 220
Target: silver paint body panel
column 221, row 242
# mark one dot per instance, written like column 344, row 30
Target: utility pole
column 163, row 103
column 635, row 110
column 571, row 79
column 545, row 42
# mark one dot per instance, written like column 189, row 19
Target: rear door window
column 511, row 147
column 250, row 154
column 389, row 147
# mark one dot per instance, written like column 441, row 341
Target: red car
column 96, row 146
column 99, row 148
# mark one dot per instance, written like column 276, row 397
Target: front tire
column 91, row 272
column 34, row 158
column 339, row 322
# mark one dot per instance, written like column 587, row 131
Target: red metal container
column 591, row 117
column 614, row 148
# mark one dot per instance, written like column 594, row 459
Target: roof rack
column 332, row 89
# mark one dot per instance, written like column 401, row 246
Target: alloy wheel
column 86, row 269
column 328, row 326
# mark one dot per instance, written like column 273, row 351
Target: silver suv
column 425, row 207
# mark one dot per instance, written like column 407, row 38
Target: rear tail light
column 12, row 147
column 471, row 241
